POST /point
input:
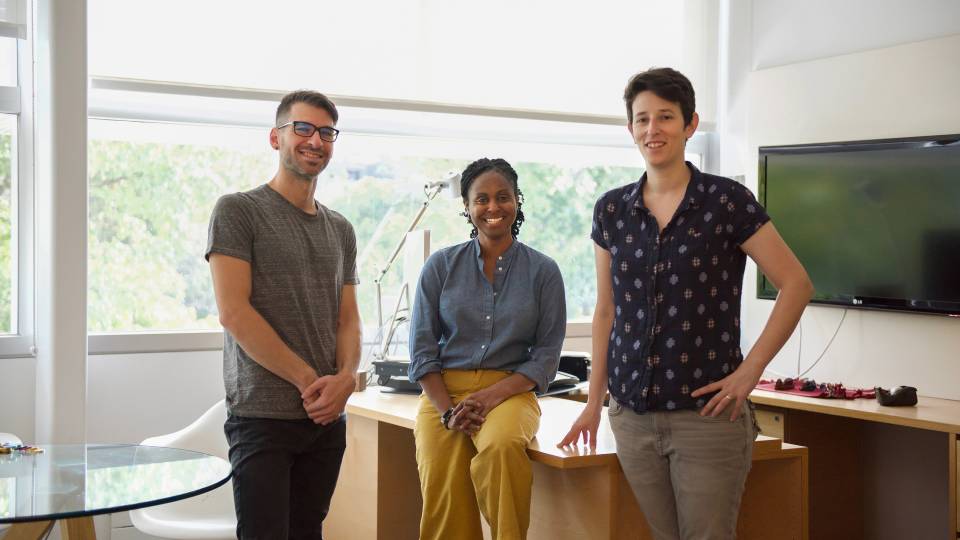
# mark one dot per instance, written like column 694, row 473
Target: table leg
column 34, row 530
column 80, row 528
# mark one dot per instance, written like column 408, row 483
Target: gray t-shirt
column 299, row 264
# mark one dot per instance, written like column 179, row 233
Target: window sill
column 155, row 342
column 202, row 340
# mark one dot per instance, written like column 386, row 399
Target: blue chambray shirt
column 462, row 321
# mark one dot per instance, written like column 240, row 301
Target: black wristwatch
column 445, row 418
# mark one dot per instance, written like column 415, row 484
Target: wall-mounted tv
column 875, row 223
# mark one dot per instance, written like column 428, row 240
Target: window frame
column 18, row 101
column 107, row 343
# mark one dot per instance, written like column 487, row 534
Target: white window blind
column 13, row 16
column 559, row 55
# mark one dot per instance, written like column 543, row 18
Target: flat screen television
column 875, row 223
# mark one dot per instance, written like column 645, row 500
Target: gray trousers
column 686, row 471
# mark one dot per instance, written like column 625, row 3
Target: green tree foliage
column 150, row 204
column 6, row 263
column 559, row 209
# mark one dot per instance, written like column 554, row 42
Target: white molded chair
column 209, row 516
column 9, row 438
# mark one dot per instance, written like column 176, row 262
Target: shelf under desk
column 875, row 472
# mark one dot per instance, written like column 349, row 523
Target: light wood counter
column 578, row 493
column 930, row 413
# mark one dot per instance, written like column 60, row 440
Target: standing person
column 285, row 276
column 488, row 322
column 670, row 254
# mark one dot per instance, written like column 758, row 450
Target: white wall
column 788, row 32
column 129, row 397
column 18, row 389
column 134, row 396
column 901, row 91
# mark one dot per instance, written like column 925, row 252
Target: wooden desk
column 875, row 472
column 577, row 494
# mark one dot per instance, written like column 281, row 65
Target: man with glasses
column 285, row 276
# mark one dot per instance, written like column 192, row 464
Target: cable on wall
column 825, row 349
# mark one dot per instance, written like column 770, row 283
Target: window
column 174, row 128
column 8, row 255
column 16, row 181
column 153, row 185
column 151, row 189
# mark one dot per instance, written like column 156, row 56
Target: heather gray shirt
column 299, row 264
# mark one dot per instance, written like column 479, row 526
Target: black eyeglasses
column 306, row 129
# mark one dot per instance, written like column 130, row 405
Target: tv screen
column 875, row 223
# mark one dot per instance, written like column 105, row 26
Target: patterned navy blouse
column 676, row 291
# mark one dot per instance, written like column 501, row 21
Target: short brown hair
column 666, row 83
column 315, row 99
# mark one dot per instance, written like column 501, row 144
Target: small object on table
column 8, row 448
column 902, row 396
column 785, row 384
column 837, row 391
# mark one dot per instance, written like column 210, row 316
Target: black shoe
column 902, row 396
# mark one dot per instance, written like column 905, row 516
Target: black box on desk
column 575, row 363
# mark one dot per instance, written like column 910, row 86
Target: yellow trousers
column 463, row 476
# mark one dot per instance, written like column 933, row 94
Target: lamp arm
column 394, row 323
column 432, row 193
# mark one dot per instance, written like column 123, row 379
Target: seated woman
column 488, row 322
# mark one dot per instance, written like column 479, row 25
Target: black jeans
column 284, row 474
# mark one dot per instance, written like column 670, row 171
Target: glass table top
column 82, row 480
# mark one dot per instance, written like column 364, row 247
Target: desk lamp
column 391, row 372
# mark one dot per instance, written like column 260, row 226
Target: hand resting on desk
column 586, row 426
